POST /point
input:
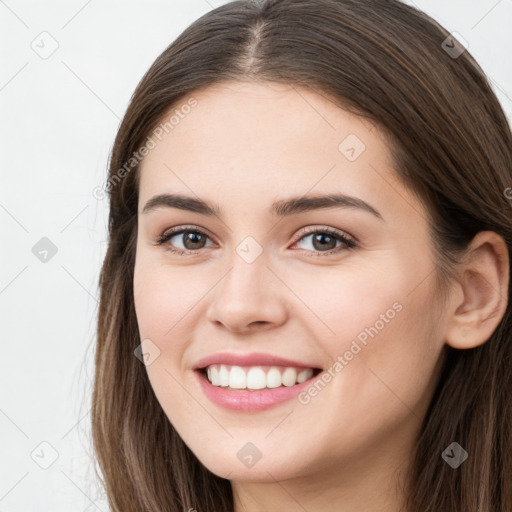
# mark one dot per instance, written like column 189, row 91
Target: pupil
column 320, row 237
column 193, row 239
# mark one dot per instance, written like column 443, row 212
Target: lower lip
column 249, row 401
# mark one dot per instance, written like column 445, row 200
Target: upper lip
column 252, row 359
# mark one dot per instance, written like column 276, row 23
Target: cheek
column 168, row 306
column 382, row 335
column 390, row 354
column 163, row 296
column 164, row 304
column 342, row 303
column 382, row 374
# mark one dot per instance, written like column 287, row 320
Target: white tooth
column 256, row 378
column 223, row 375
column 214, row 375
column 237, row 378
column 289, row 377
column 273, row 378
column 304, row 375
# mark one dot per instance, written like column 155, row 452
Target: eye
column 323, row 241
column 192, row 239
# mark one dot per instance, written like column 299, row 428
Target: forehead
column 266, row 140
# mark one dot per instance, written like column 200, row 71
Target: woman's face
column 266, row 277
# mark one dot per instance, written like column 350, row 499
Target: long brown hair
column 451, row 144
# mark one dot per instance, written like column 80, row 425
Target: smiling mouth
column 256, row 378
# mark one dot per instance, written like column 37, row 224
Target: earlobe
column 483, row 281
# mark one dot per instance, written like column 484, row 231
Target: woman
column 305, row 298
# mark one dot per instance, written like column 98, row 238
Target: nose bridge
column 245, row 281
column 246, row 295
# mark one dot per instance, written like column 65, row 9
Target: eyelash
column 349, row 243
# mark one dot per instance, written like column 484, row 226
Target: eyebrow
column 281, row 208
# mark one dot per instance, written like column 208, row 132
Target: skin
column 244, row 146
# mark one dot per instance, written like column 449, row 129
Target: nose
column 249, row 298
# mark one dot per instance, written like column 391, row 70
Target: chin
column 263, row 471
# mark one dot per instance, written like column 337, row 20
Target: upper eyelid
column 319, row 228
column 180, row 229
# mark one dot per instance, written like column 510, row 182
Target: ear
column 483, row 292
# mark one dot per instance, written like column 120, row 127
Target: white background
column 59, row 118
